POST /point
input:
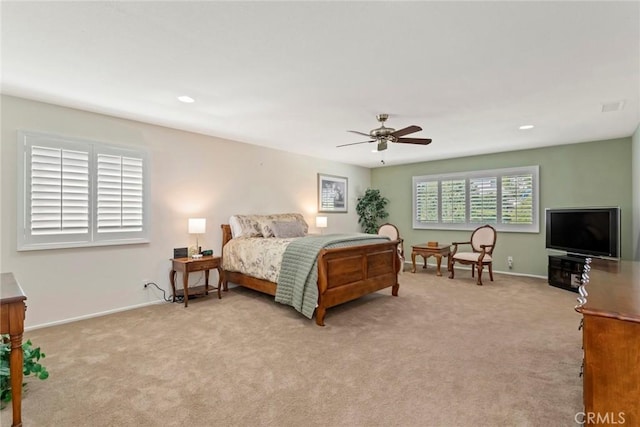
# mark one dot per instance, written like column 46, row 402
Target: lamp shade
column 321, row 222
column 197, row 225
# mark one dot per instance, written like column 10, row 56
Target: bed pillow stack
column 263, row 225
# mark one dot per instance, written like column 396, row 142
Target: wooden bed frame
column 344, row 274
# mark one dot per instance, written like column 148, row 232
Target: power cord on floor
column 179, row 298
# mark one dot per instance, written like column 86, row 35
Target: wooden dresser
column 610, row 305
column 12, row 310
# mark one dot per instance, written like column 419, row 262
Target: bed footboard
column 345, row 274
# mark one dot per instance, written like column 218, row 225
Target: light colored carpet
column 443, row 353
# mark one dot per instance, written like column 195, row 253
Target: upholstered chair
column 482, row 243
column 391, row 231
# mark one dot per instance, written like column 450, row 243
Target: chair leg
column 491, row 271
column 450, row 268
column 472, row 272
column 479, row 274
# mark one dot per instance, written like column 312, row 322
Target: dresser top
column 10, row 290
column 614, row 292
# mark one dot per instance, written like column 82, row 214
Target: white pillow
column 236, row 230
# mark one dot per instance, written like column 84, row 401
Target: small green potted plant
column 30, row 365
column 371, row 207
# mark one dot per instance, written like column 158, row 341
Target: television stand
column 565, row 271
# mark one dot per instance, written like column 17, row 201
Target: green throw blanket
column 297, row 282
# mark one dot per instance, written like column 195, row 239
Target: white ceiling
column 296, row 75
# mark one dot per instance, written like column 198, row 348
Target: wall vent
column 612, row 106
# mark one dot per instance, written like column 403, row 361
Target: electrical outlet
column 510, row 262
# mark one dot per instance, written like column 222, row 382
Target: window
column 75, row 193
column 453, row 196
column 483, row 207
column 119, row 194
column 504, row 198
column 427, row 205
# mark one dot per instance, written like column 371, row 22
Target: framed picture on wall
column 332, row 193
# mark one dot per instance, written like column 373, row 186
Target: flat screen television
column 584, row 231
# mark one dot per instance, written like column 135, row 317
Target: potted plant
column 30, row 365
column 370, row 209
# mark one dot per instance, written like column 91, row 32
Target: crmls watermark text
column 600, row 418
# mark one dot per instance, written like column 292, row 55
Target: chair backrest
column 389, row 230
column 485, row 235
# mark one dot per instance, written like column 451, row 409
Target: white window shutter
column 454, row 201
column 427, row 202
column 76, row 193
column 507, row 198
column 517, row 199
column 59, row 191
column 483, row 200
column 120, row 191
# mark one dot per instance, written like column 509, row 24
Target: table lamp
column 321, row 222
column 197, row 226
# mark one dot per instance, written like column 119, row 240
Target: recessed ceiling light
column 186, row 99
column 525, row 127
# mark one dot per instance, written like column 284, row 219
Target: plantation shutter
column 59, row 191
column 506, row 198
column 427, row 201
column 483, row 200
column 76, row 193
column 453, row 201
column 517, row 199
column 120, row 193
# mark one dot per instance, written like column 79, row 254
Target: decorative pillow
column 286, row 229
column 266, row 222
column 244, row 226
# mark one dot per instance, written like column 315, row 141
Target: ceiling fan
column 383, row 135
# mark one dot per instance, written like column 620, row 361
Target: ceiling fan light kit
column 382, row 135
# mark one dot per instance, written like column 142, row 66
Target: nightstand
column 189, row 265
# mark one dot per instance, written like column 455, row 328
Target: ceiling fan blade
column 406, row 131
column 419, row 141
column 353, row 143
column 359, row 133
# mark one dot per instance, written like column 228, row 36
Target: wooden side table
column 189, row 265
column 426, row 251
column 12, row 322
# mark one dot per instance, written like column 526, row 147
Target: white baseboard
column 89, row 316
column 443, row 267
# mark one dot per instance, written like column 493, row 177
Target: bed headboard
column 226, row 235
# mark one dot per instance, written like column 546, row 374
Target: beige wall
column 190, row 175
column 636, row 193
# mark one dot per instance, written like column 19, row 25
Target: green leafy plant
column 371, row 207
column 30, row 365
